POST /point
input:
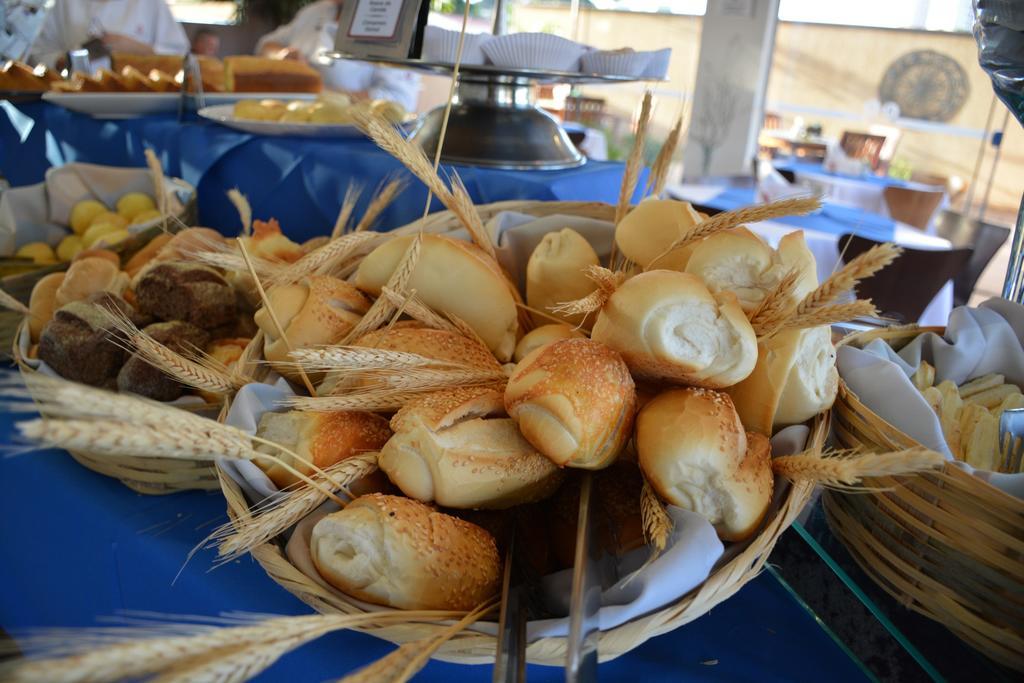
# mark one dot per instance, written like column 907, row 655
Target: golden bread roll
column 574, row 400
column 695, row 454
column 458, row 449
column 320, row 439
column 392, row 112
column 145, row 63
column 297, row 112
column 318, row 311
column 96, row 252
column 247, row 73
column 268, row 242
column 144, row 255
column 393, row 551
column 88, row 276
column 740, row 262
column 43, row 302
column 668, row 326
column 795, row 379
column 654, row 224
column 451, row 277
column 259, row 110
column 554, row 274
column 542, row 336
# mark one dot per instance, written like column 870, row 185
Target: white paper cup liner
column 534, row 51
column 615, row 63
column 657, row 67
column 442, row 45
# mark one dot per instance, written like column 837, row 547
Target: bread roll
column 401, row 553
column 554, row 274
column 226, row 352
column 795, row 379
column 146, row 254
column 452, row 277
column 574, row 400
column 319, row 310
column 695, row 454
column 268, row 242
column 542, row 336
column 458, row 449
column 88, row 276
column 654, row 224
column 183, row 291
column 42, row 303
column 740, row 262
column 137, row 376
column 668, row 326
column 323, row 439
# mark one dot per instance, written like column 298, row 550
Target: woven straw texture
column 945, row 543
column 470, row 647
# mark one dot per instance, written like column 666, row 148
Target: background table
column 299, row 181
column 78, row 546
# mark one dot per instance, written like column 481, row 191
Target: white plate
column 224, row 114
column 125, row 105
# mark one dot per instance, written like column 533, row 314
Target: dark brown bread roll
column 137, row 376
column 79, row 343
column 192, row 293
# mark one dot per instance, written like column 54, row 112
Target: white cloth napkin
column 978, row 341
column 772, row 186
column 837, row 161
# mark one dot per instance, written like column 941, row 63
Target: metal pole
column 500, row 26
column 995, row 163
column 1013, row 286
column 574, row 18
column 981, row 156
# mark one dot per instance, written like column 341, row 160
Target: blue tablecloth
column 77, row 546
column 833, row 218
column 299, row 181
column 805, row 167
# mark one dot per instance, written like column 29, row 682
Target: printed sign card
column 389, row 29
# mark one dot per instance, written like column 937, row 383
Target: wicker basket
column 471, row 647
column 945, row 544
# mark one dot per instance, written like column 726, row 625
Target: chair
column 986, row 240
column 911, row 206
column 772, row 121
column 929, row 271
column 863, row 146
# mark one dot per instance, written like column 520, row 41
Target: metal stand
column 1013, row 286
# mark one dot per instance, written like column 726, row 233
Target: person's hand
column 289, row 53
column 117, row 42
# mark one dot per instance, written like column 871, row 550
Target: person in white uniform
column 131, row 26
column 312, row 32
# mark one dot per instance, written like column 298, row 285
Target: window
column 205, row 11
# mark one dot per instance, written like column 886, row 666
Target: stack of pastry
column 20, row 77
column 666, row 382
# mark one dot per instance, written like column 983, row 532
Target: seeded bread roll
column 401, row 553
column 693, row 450
column 318, row 311
column 182, row 291
column 669, row 327
column 79, row 343
column 795, row 379
column 574, row 400
column 555, row 274
column 458, row 449
column 453, row 277
column 137, row 376
column 88, row 276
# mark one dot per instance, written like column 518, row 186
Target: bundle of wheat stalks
column 439, row 406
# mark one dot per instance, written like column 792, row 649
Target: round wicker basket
column 944, row 543
column 471, row 647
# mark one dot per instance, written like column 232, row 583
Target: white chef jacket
column 312, row 31
column 71, row 23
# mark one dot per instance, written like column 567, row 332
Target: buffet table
column 299, row 181
column 93, row 548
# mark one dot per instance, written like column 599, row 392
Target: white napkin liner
column 615, row 63
column 442, row 45
column 534, row 51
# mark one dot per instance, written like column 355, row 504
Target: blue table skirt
column 78, row 546
column 299, row 181
column 799, row 166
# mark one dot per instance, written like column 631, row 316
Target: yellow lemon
column 83, row 213
column 146, row 216
column 134, row 203
column 40, row 253
column 98, row 230
column 69, row 247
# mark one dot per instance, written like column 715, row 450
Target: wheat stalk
column 462, row 206
column 607, row 282
column 844, row 469
column 635, row 160
column 239, row 537
column 365, row 358
column 776, row 306
column 382, row 310
column 10, row 303
column 831, row 314
column 348, row 207
column 418, row 310
column 659, row 171
column 796, row 206
column 657, row 524
column 376, row 401
column 244, row 209
column 847, row 277
column 379, row 203
column 324, row 260
column 203, row 373
column 159, row 183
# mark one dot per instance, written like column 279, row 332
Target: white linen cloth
column 72, row 23
column 312, row 32
column 978, row 341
